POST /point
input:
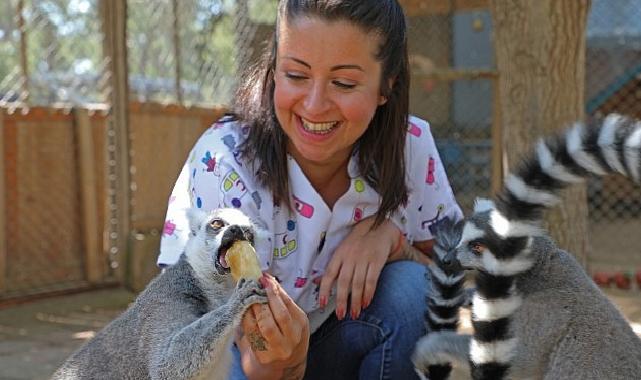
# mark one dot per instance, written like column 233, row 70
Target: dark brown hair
column 381, row 148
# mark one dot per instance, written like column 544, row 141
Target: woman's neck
column 329, row 179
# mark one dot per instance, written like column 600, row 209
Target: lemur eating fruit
column 183, row 324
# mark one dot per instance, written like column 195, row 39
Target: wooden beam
column 414, row 8
column 3, row 209
column 454, row 75
column 24, row 63
column 497, row 140
column 176, row 31
column 88, row 195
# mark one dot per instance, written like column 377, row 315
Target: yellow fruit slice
column 243, row 261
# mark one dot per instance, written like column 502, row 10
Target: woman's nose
column 316, row 100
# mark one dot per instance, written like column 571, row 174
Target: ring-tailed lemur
column 447, row 295
column 183, row 324
column 536, row 313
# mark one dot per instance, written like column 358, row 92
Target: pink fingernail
column 366, row 303
column 340, row 313
column 323, row 301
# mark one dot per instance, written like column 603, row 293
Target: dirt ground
column 36, row 337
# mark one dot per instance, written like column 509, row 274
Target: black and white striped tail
column 448, row 293
column 610, row 146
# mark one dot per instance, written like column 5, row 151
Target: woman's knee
column 401, row 291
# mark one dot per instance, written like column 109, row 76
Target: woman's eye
column 344, row 85
column 477, row 248
column 217, row 224
column 294, row 76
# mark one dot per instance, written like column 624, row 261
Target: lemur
column 536, row 313
column 183, row 324
column 448, row 293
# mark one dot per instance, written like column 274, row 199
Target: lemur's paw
column 250, row 292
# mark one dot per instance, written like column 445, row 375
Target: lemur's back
column 99, row 360
column 569, row 328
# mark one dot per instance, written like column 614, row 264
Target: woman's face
column 327, row 87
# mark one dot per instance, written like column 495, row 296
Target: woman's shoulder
column 225, row 135
column 419, row 135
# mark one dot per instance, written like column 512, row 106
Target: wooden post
column 179, row 93
column 497, row 140
column 24, row 64
column 115, row 47
column 88, row 192
column 3, row 210
column 540, row 57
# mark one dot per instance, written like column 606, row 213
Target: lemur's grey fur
column 536, row 314
column 183, row 324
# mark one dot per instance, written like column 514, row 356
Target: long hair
column 381, row 149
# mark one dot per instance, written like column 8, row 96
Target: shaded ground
column 36, row 337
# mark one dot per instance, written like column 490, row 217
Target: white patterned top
column 297, row 245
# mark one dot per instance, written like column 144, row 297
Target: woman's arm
column 420, row 251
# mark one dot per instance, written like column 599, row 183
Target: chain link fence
column 51, row 52
column 453, row 85
column 613, row 84
column 191, row 52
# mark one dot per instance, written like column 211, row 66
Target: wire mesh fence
column 192, row 52
column 51, row 52
column 613, row 84
column 453, row 86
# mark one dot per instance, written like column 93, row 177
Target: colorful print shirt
column 296, row 246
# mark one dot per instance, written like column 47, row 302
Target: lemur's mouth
column 222, row 252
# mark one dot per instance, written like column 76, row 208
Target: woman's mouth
column 318, row 128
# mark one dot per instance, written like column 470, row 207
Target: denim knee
column 378, row 344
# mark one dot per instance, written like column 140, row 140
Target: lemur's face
column 447, row 237
column 219, row 229
column 491, row 244
column 472, row 251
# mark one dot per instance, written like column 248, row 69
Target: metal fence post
column 118, row 139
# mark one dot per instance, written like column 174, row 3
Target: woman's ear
column 382, row 99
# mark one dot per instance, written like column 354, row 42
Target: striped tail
column 610, row 146
column 448, row 294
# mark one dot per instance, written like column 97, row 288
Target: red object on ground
column 638, row 278
column 602, row 278
column 622, row 280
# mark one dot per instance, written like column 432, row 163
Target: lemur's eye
column 477, row 248
column 217, row 224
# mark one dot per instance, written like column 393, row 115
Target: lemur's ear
column 196, row 217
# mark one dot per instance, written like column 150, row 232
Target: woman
column 320, row 151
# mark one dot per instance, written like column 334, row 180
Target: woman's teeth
column 320, row 128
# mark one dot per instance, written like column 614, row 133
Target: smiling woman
column 317, row 151
column 326, row 107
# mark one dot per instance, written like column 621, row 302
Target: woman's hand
column 281, row 329
column 357, row 264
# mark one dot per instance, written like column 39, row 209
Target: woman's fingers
column 371, row 280
column 343, row 285
column 278, row 304
column 358, row 283
column 330, row 275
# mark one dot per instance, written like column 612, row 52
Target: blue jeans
column 379, row 343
